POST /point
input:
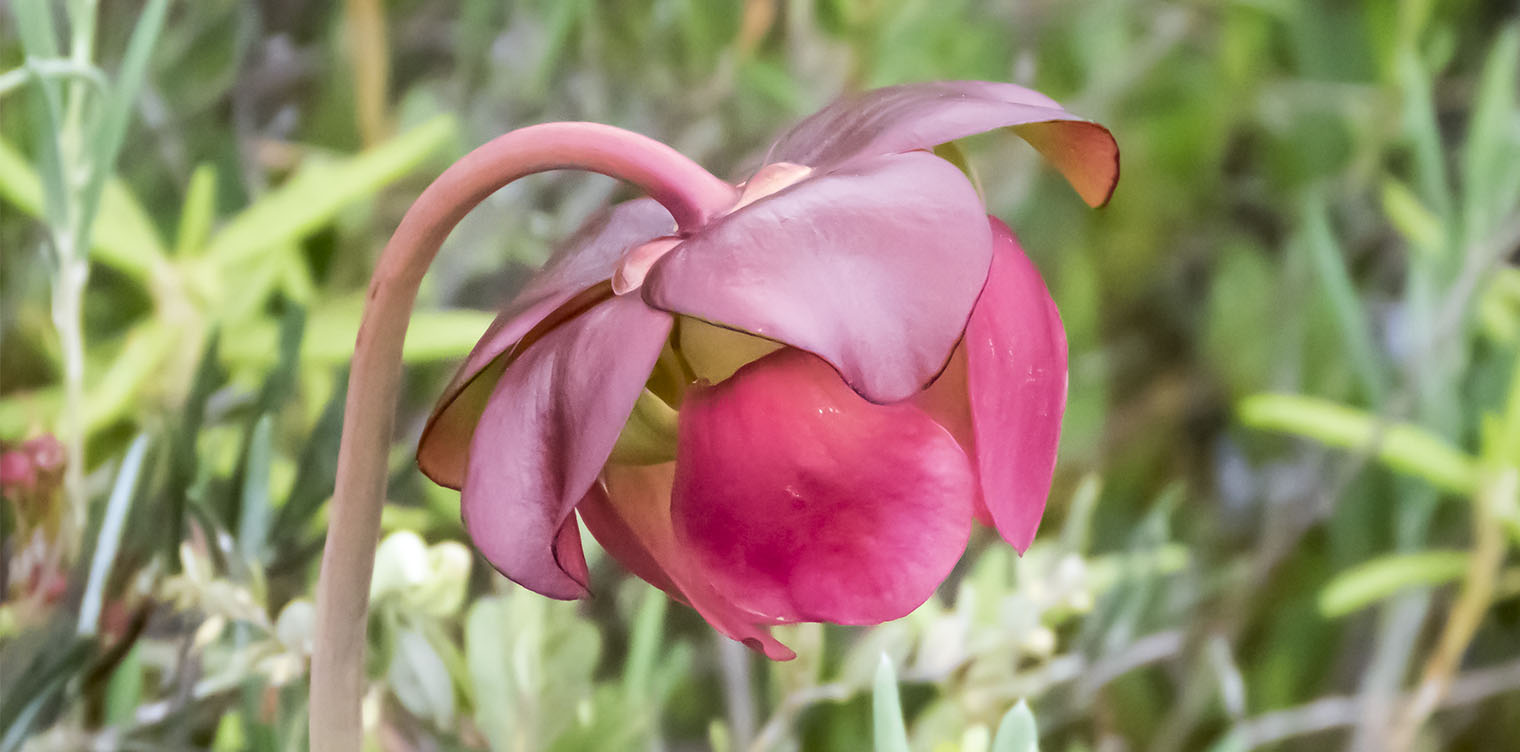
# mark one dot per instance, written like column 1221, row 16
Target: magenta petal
column 873, row 268
column 631, row 519
column 804, row 502
column 588, row 259
column 922, row 116
column 1016, row 377
column 545, row 433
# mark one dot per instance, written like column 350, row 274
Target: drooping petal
column 924, row 115
column 1016, row 379
column 804, row 502
column 631, row 519
column 586, row 261
column 545, row 433
column 874, row 268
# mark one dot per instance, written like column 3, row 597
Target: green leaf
column 254, row 511
column 198, row 213
column 890, row 731
column 1419, row 225
column 1330, row 267
column 1428, row 165
column 109, row 540
column 110, row 124
column 1491, row 156
column 124, row 238
column 311, row 199
column 39, row 39
column 119, row 389
column 124, row 691
column 45, row 677
column 314, row 475
column 644, row 643
column 331, row 332
column 184, row 462
column 1017, row 731
column 1402, row 447
column 1382, row 578
column 421, row 681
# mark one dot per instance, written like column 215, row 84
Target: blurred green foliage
column 1286, row 514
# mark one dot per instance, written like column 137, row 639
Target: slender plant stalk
column 68, row 320
column 692, row 196
column 1477, row 594
column 368, row 54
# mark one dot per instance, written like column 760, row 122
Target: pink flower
column 794, row 411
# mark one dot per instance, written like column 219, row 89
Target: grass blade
column 891, row 734
column 110, row 536
column 116, row 112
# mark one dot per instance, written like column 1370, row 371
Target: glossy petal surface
column 874, row 268
column 631, row 519
column 921, row 116
column 545, row 433
column 587, row 260
column 1016, row 378
column 804, row 502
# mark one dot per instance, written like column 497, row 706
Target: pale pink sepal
column 585, row 261
column 923, row 115
column 545, row 433
column 873, row 268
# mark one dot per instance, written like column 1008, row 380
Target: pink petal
column 947, row 402
column 583, row 263
column 921, row 116
column 804, row 502
column 631, row 519
column 874, row 268
column 1016, row 378
column 545, row 433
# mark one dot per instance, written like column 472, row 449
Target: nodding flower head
column 794, row 409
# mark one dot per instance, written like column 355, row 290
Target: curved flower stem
column 690, row 193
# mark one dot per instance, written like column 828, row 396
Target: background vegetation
column 1286, row 513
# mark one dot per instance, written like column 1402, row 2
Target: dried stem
column 691, row 195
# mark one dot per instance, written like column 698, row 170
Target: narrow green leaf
column 1403, row 447
column 1330, row 268
column 110, row 128
column 198, row 213
column 309, row 200
column 48, row 674
column 34, row 24
column 39, row 39
column 890, row 731
column 184, row 463
column 644, row 643
column 124, row 238
column 1428, row 166
column 1382, row 578
column 1491, row 156
column 255, row 510
column 1017, row 731
column 314, row 475
column 119, row 388
column 330, row 335
column 1419, row 225
column 124, row 692
column 110, row 536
